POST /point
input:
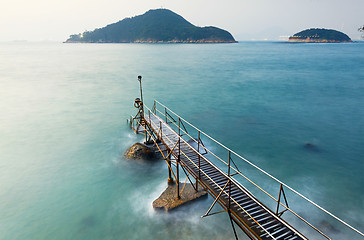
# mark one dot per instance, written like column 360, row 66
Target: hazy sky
column 38, row 20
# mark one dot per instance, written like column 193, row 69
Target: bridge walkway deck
column 257, row 220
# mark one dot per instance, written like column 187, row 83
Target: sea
column 294, row 110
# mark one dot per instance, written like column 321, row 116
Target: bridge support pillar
column 170, row 179
column 177, row 180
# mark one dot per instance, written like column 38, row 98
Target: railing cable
column 266, row 173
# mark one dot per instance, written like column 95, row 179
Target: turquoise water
column 63, row 132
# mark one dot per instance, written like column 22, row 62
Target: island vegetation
column 154, row 26
column 320, row 35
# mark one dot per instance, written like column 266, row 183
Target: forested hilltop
column 154, row 26
column 320, row 35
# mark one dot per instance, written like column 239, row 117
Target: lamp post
column 141, row 96
column 141, row 91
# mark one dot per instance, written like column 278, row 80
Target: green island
column 320, row 35
column 154, row 26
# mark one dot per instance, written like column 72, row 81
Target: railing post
column 279, row 198
column 160, row 128
column 229, row 180
column 199, row 159
column 165, row 114
column 179, row 126
column 229, row 163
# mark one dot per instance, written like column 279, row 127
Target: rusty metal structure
column 182, row 147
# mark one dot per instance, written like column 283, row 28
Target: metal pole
column 160, row 128
column 141, row 91
column 170, row 180
column 178, row 159
column 232, row 225
column 229, row 182
column 229, row 164
column 141, row 97
column 279, row 198
column 145, row 132
column 179, row 127
column 199, row 159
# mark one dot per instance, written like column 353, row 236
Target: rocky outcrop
column 168, row 199
column 140, row 151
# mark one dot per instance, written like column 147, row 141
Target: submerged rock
column 311, row 147
column 168, row 199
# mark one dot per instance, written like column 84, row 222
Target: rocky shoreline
column 162, row 42
column 308, row 40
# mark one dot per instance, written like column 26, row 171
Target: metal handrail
column 180, row 138
column 230, row 177
column 237, row 171
column 266, row 173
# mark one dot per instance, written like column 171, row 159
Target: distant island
column 154, row 26
column 320, row 35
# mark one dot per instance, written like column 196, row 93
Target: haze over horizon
column 41, row 20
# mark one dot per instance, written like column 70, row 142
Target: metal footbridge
column 185, row 152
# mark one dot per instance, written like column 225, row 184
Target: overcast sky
column 38, row 20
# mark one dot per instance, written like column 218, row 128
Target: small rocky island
column 154, row 26
column 320, row 35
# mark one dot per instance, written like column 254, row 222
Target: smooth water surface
column 63, row 132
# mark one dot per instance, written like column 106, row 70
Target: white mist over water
column 63, row 132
